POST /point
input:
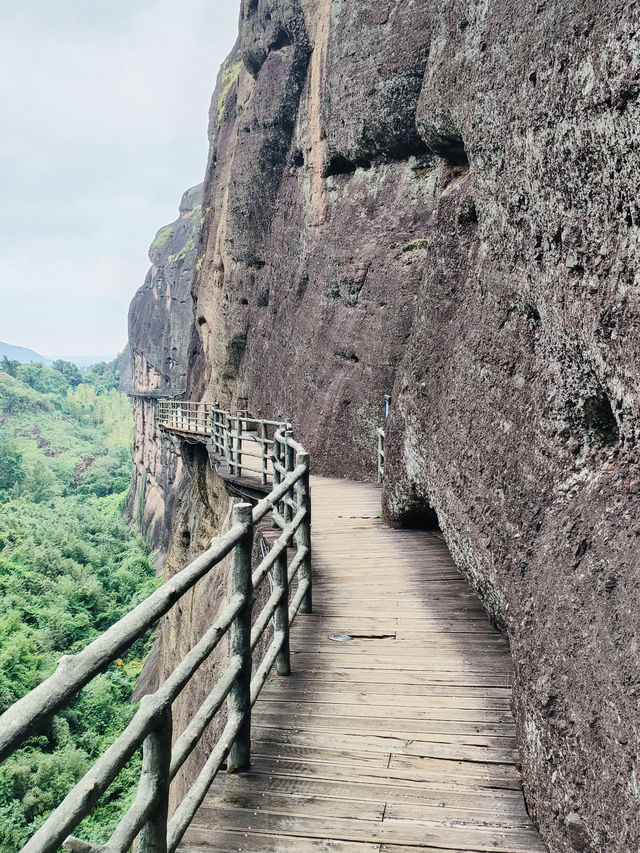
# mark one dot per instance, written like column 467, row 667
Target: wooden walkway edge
column 398, row 739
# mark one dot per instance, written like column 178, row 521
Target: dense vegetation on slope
column 69, row 568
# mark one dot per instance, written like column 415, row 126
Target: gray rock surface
column 161, row 312
column 160, row 323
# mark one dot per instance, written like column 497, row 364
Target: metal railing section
column 380, row 434
column 234, row 438
column 239, row 686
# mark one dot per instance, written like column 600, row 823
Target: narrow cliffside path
column 398, row 739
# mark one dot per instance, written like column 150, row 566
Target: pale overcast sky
column 103, row 120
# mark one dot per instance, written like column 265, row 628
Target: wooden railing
column 234, row 438
column 380, row 434
column 151, row 728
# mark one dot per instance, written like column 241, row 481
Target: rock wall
column 179, row 503
column 160, row 321
column 439, row 202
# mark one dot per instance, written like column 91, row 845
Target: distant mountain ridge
column 25, row 355
column 22, row 354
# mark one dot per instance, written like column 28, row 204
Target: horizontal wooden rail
column 151, row 727
column 190, row 737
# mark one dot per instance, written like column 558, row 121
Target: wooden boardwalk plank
column 507, row 839
column 438, row 709
column 495, row 800
column 215, row 840
column 399, row 740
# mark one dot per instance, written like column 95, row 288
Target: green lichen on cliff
column 161, row 237
column 190, row 244
column 415, row 244
column 184, row 251
column 229, row 77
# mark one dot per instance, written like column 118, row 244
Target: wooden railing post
column 303, row 533
column 275, row 454
column 239, row 446
column 221, row 434
column 281, row 615
column 229, row 447
column 215, row 432
column 289, row 465
column 264, row 434
column 239, row 701
column 156, row 763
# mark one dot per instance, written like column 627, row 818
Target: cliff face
column 160, row 321
column 176, row 499
column 517, row 406
column 439, row 202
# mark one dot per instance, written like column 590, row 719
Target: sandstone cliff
column 160, row 320
column 439, row 202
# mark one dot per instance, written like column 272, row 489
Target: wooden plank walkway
column 400, row 739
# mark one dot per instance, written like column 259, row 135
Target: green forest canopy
column 69, row 568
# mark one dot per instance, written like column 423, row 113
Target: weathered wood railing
column 234, row 438
column 380, row 434
column 151, row 728
column 185, row 416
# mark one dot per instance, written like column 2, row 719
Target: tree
column 42, row 378
column 40, row 483
column 108, row 474
column 69, row 370
column 102, row 376
column 9, row 365
column 12, row 471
